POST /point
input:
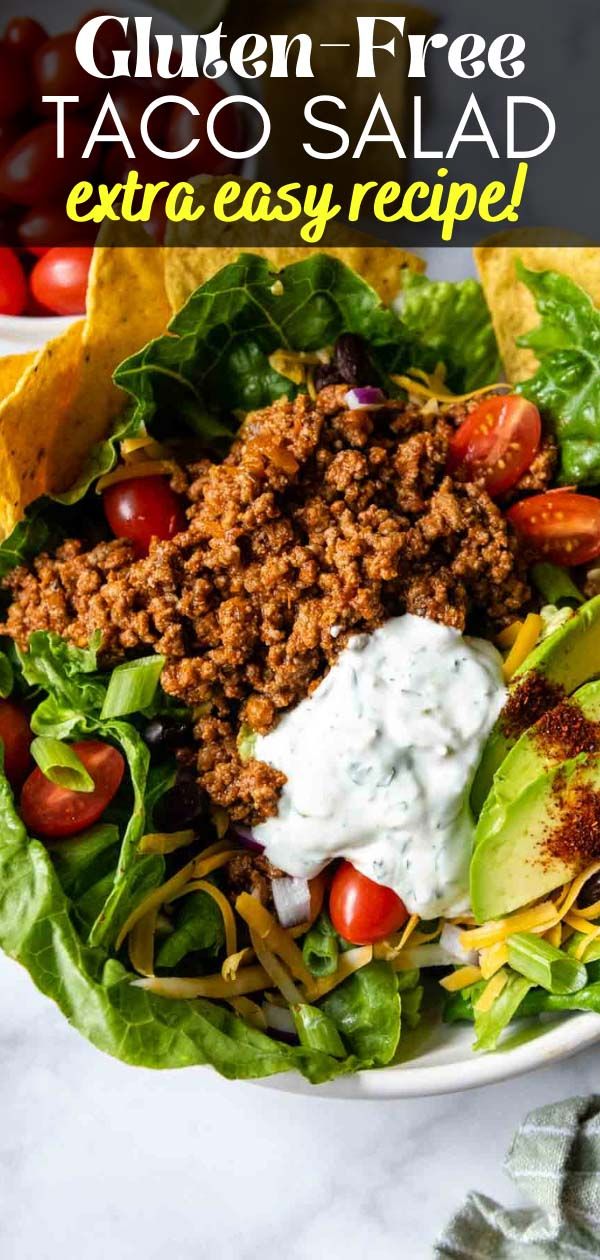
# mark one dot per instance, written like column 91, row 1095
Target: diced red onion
column 364, row 398
column 246, row 837
column 292, row 900
column 280, row 1021
column 450, row 941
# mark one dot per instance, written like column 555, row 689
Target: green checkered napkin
column 554, row 1160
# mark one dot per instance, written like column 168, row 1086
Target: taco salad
column 300, row 655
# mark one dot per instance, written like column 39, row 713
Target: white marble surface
column 102, row 1160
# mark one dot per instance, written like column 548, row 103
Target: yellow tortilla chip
column 511, row 304
column 32, row 424
column 127, row 307
column 66, row 400
column 189, row 262
column 12, row 367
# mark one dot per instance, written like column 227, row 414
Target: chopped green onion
column 544, row 964
column 320, row 948
column 592, row 951
column 317, row 1031
column 555, row 585
column 132, row 686
column 60, row 764
column 6, row 676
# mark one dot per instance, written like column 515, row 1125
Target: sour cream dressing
column 380, row 760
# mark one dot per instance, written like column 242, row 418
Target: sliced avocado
column 540, row 749
column 518, row 858
column 565, row 660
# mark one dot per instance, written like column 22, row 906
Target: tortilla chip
column 12, row 367
column 127, row 307
column 66, row 400
column 189, row 262
column 33, row 423
column 511, row 304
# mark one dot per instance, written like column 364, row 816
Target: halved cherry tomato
column 53, row 811
column 25, row 35
column 16, row 737
column 59, row 279
column 497, row 442
column 561, row 525
column 361, row 910
column 15, row 82
column 13, row 285
column 143, row 508
column 184, row 127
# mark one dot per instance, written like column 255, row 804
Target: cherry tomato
column 53, row 811
column 561, row 525
column 143, row 508
column 361, row 910
column 497, row 442
column 46, row 225
column 16, row 737
column 59, row 279
column 25, row 35
column 57, row 72
column 184, row 127
column 14, row 83
column 13, row 285
column 30, row 171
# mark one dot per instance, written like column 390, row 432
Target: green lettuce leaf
column 366, row 1012
column 566, row 386
column 450, row 323
column 96, row 994
column 198, row 929
column 215, row 357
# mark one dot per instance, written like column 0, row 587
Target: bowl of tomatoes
column 45, row 258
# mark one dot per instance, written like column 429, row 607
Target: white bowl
column 448, row 1064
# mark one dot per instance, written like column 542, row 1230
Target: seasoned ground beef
column 322, row 521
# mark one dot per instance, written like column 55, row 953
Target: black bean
column 165, row 734
column 590, row 891
column 184, row 805
column 351, row 358
column 327, row 374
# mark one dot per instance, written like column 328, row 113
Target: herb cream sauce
column 380, row 760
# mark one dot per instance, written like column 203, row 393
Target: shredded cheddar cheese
column 461, row 979
column 249, row 980
column 509, row 636
column 264, row 927
column 165, row 841
column 524, row 643
column 543, row 915
column 492, row 959
column 142, row 468
column 433, row 388
column 141, row 943
column 349, row 962
column 492, row 990
column 275, row 969
column 233, row 962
